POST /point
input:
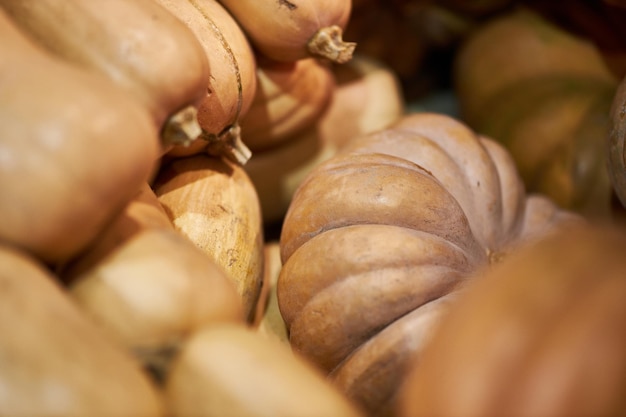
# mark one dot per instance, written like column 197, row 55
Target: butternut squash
column 228, row 93
column 213, row 202
column 230, row 370
column 366, row 96
column 54, row 360
column 149, row 286
column 74, row 149
column 137, row 44
column 288, row 30
column 291, row 96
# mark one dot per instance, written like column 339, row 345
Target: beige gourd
column 228, row 93
column 148, row 285
column 213, row 202
column 288, row 30
column 54, row 360
column 137, row 44
column 230, row 370
column 74, row 148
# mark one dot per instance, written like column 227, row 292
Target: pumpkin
column 228, row 93
column 291, row 96
column 377, row 239
column 366, row 96
column 614, row 146
column 213, row 202
column 548, row 105
column 231, row 370
column 54, row 360
column 137, row 44
column 148, row 285
column 291, row 30
column 541, row 334
column 74, row 149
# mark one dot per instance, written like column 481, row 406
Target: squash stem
column 181, row 128
column 328, row 43
column 228, row 144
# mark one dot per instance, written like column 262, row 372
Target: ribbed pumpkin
column 377, row 239
column 547, row 103
column 541, row 334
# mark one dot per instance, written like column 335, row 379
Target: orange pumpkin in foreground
column 541, row 334
column 377, row 240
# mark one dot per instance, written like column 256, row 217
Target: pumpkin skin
column 541, row 334
column 54, row 360
column 137, row 44
column 408, row 214
column 551, row 111
column 72, row 157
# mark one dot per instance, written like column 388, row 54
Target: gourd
column 290, row 97
column 541, row 334
column 212, row 202
column 148, row 286
column 378, row 238
column 289, row 30
column 72, row 157
column 366, row 96
column 615, row 150
column 229, row 92
column 54, row 360
column 231, row 370
column 137, row 44
column 548, row 104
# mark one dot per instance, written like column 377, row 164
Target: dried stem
column 228, row 144
column 328, row 43
column 181, row 128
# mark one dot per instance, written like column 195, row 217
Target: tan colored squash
column 268, row 320
column 54, row 361
column 291, row 96
column 550, row 110
column 74, row 149
column 148, row 285
column 213, row 202
column 230, row 370
column 541, row 334
column 367, row 96
column 229, row 92
column 288, row 30
column 137, row 44
column 378, row 238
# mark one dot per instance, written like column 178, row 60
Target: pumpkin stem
column 181, row 128
column 228, row 144
column 328, row 43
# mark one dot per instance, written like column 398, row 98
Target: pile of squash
column 253, row 208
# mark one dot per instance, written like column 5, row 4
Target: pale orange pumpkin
column 378, row 238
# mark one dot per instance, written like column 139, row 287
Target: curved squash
column 228, row 93
column 289, row 30
column 148, row 285
column 137, row 44
column 75, row 149
column 54, row 360
column 213, row 202
column 408, row 213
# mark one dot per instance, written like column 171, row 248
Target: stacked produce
column 311, row 208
